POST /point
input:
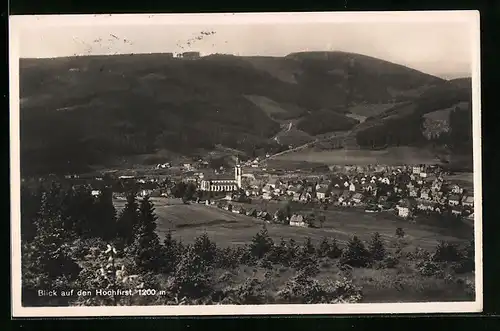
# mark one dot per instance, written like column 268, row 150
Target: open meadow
column 227, row 228
column 389, row 156
column 402, row 283
column 464, row 179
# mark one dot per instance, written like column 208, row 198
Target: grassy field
column 389, row 156
column 227, row 228
column 371, row 110
column 400, row 284
column 464, row 179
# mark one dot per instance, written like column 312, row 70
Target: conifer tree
column 261, row 243
column 323, row 248
column 47, row 261
column 377, row 249
column 81, row 211
column 30, row 205
column 171, row 253
column 68, row 211
column 105, row 213
column 400, row 233
column 205, row 248
column 308, row 247
column 128, row 220
column 147, row 250
column 292, row 250
column 355, row 254
column 191, row 278
column 335, row 251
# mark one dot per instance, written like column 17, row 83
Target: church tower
column 237, row 174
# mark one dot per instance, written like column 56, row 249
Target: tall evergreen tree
column 261, row 243
column 377, row 249
column 171, row 252
column 323, row 248
column 335, row 251
column 147, row 249
column 192, row 277
column 105, row 214
column 128, row 220
column 205, row 248
column 47, row 261
column 30, row 205
column 51, row 250
column 82, row 212
column 355, row 254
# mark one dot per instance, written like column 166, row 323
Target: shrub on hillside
column 400, row 233
column 261, row 244
column 301, row 289
column 172, row 252
column 323, row 248
column 205, row 248
column 446, row 252
column 467, row 263
column 83, row 248
column 307, row 265
column 192, row 277
column 308, row 248
column 227, row 258
column 291, row 253
column 277, row 253
column 265, row 262
column 418, row 254
column 355, row 254
column 430, row 268
column 110, row 273
column 389, row 262
column 327, row 249
column 249, row 292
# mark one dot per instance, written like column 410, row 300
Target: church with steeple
column 223, row 184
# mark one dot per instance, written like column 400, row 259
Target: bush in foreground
column 304, row 290
column 355, row 254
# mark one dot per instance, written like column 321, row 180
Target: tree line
column 71, row 239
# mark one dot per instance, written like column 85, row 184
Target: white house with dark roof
column 321, row 193
column 468, row 201
column 298, row 220
column 405, row 207
column 357, row 198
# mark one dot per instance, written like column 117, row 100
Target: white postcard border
column 19, row 22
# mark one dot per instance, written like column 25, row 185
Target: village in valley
column 299, row 197
column 278, row 173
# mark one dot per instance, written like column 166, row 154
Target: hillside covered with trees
column 90, row 110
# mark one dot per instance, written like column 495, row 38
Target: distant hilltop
column 94, row 110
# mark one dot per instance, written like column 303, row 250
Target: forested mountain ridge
column 82, row 111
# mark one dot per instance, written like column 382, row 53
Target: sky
column 441, row 46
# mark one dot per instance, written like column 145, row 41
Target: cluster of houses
column 408, row 190
column 295, row 219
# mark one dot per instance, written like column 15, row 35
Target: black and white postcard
column 244, row 164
